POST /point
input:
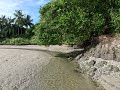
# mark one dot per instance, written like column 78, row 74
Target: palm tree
column 28, row 23
column 10, row 26
column 3, row 26
column 19, row 20
column 15, row 26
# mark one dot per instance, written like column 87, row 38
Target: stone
column 104, row 52
column 15, row 88
column 0, row 87
column 117, row 54
column 112, row 68
column 78, row 57
column 110, row 55
column 91, row 52
column 101, row 64
column 115, row 69
column 92, row 63
column 109, row 68
column 78, row 70
column 97, row 52
column 92, row 71
column 70, row 58
column 98, row 73
column 75, row 46
column 91, row 74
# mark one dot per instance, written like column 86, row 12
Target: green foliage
column 34, row 40
column 18, row 26
column 64, row 22
column 75, row 21
column 116, row 20
column 15, row 41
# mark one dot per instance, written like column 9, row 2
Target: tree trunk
column 21, row 32
column 18, row 32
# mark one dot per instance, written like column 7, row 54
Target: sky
column 30, row 7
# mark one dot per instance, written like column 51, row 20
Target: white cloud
column 8, row 7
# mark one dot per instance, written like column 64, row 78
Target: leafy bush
column 76, row 21
column 116, row 20
column 35, row 40
column 15, row 41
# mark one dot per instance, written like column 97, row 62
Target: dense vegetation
column 20, row 25
column 76, row 21
column 63, row 22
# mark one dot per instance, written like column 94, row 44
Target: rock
column 116, row 43
column 117, row 55
column 15, row 88
column 70, row 58
column 97, row 54
column 104, row 52
column 79, row 70
column 75, row 46
column 98, row 73
column 92, row 63
column 84, row 58
column 112, row 68
column 91, row 52
column 92, row 71
column 109, row 68
column 78, row 57
column 0, row 87
column 101, row 64
column 91, row 74
column 115, row 69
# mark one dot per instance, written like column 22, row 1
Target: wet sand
column 36, row 68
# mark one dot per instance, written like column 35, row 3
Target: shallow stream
column 60, row 74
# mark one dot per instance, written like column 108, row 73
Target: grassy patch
column 15, row 41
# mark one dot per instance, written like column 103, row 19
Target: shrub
column 15, row 41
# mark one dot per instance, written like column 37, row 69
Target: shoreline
column 102, row 64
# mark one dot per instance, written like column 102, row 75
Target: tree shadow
column 53, row 53
column 71, row 55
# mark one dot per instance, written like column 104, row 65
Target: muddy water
column 59, row 74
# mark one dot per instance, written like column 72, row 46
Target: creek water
column 60, row 74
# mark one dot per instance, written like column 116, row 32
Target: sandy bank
column 19, row 68
column 36, row 68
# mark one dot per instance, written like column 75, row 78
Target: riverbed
column 33, row 68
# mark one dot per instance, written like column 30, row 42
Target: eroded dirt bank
column 102, row 63
column 34, row 68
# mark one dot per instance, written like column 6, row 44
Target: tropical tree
column 10, row 23
column 28, row 24
column 19, row 21
column 28, row 21
column 3, row 26
column 17, row 26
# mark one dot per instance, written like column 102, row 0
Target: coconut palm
column 19, row 20
column 28, row 24
column 15, row 26
column 28, row 21
column 3, row 26
column 10, row 23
